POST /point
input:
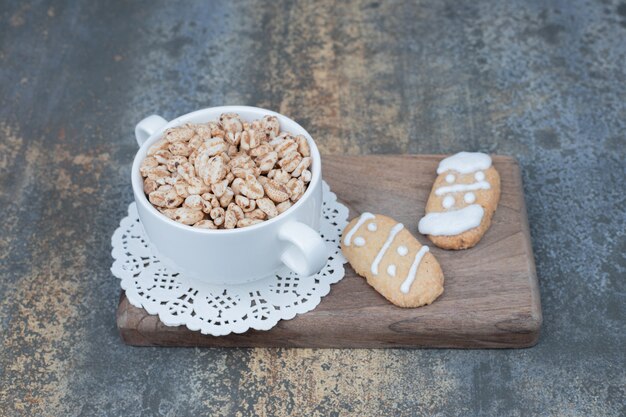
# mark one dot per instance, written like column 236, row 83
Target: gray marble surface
column 544, row 81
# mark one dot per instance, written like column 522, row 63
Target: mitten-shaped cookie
column 463, row 200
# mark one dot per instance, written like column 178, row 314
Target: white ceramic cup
column 236, row 255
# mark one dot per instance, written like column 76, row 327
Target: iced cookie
column 392, row 260
column 463, row 199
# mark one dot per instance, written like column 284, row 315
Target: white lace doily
column 217, row 309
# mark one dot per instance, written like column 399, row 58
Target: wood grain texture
column 491, row 298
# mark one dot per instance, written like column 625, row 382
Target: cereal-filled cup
column 230, row 194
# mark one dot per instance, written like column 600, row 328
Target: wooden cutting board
column 491, row 297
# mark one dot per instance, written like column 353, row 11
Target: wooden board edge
column 536, row 315
column 149, row 331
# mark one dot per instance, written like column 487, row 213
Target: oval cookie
column 463, row 199
column 392, row 260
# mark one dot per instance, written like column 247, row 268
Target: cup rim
column 137, row 180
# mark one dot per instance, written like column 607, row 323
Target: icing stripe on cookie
column 406, row 285
column 392, row 234
column 450, row 223
column 465, row 162
column 480, row 185
column 364, row 217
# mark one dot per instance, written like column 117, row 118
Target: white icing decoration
column 448, row 202
column 372, row 227
column 392, row 234
column 359, row 241
column 450, row 223
column 402, row 250
column 480, row 185
column 364, row 217
column 391, row 270
column 406, row 285
column 469, row 198
column 479, row 176
column 450, row 178
column 465, row 162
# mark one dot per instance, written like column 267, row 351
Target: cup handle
column 306, row 253
column 148, row 127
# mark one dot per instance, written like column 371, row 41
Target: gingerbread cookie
column 463, row 199
column 392, row 260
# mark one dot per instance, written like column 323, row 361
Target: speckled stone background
column 544, row 81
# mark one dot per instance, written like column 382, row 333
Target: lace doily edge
column 270, row 323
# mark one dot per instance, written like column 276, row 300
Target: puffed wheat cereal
column 227, row 173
